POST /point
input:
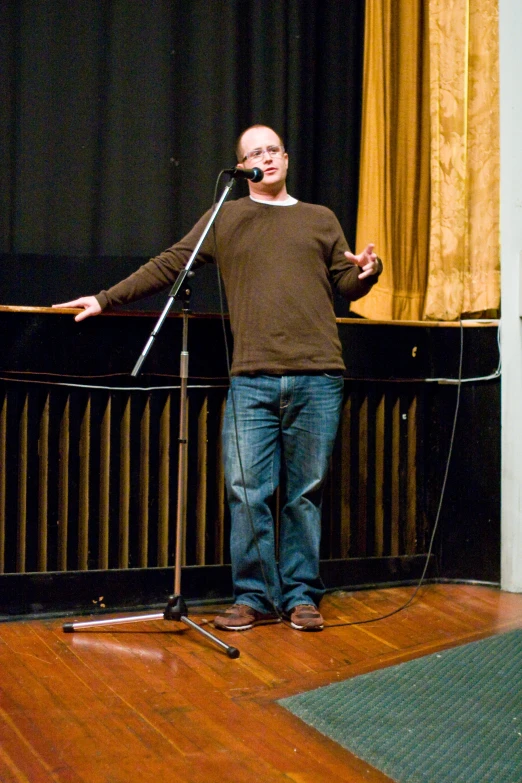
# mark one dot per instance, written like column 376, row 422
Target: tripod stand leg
column 177, row 610
column 232, row 652
column 70, row 627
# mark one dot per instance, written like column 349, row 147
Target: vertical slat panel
column 125, row 435
column 3, row 480
column 84, row 488
column 219, row 547
column 395, row 478
column 377, row 464
column 421, row 541
column 411, row 509
column 363, row 478
column 346, row 478
column 379, row 477
column 43, row 487
column 163, row 486
column 63, row 486
column 23, row 466
column 105, row 467
column 202, row 479
column 144, row 479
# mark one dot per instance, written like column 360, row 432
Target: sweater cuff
column 102, row 299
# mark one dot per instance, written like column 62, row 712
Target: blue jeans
column 286, row 427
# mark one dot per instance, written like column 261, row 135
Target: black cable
column 437, row 517
column 249, row 513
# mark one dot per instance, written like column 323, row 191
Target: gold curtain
column 393, row 208
column 464, row 263
column 429, row 190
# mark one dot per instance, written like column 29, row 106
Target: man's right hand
column 90, row 306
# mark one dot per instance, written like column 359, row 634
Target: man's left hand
column 367, row 261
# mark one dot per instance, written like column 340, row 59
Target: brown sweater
column 278, row 265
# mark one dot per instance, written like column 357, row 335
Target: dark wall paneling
column 89, row 475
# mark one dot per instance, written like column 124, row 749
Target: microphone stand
column 176, row 608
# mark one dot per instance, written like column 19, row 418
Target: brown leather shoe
column 241, row 617
column 306, row 617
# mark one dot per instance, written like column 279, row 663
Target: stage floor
column 155, row 701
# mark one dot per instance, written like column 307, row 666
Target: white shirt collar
column 288, row 202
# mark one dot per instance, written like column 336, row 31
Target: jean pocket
column 334, row 375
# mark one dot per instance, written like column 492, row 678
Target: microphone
column 256, row 175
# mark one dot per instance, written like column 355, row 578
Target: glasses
column 273, row 151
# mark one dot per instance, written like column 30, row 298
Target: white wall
column 511, row 260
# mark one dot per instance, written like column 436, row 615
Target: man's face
column 274, row 167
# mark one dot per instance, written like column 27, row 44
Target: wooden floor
column 155, row 701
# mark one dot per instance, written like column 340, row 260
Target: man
column 279, row 259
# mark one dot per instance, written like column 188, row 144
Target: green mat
column 451, row 717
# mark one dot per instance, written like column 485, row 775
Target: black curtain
column 116, row 117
